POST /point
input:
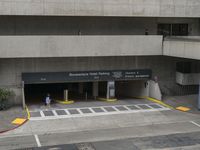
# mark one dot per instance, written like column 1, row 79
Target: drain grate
column 144, row 106
column 155, row 106
column 121, row 108
column 48, row 113
column 73, row 111
column 85, row 146
column 133, row 107
column 86, row 111
column 98, row 110
column 109, row 109
column 61, row 112
column 35, row 114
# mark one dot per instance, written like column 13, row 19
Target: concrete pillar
column 110, row 89
column 65, row 94
column 199, row 98
column 95, row 89
column 23, row 96
column 80, row 88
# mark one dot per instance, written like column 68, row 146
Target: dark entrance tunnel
column 36, row 93
column 82, row 91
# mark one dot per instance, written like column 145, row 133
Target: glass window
column 172, row 29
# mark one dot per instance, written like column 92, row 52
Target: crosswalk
column 94, row 111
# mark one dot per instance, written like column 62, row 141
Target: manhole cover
column 85, row 146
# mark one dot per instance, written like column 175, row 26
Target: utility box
column 65, row 94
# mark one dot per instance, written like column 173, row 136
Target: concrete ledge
column 155, row 8
column 182, row 47
column 79, row 46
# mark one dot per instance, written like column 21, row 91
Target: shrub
column 5, row 94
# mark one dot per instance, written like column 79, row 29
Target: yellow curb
column 28, row 113
column 18, row 121
column 107, row 100
column 66, row 102
column 157, row 101
column 182, row 108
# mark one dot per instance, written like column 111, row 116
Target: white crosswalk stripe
column 92, row 111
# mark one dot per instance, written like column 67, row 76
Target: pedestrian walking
column 48, row 100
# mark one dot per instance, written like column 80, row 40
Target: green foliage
column 4, row 96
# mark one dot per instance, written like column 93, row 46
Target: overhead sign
column 85, row 76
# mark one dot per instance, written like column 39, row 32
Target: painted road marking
column 198, row 125
column 42, row 114
column 54, row 112
column 79, row 113
column 37, row 140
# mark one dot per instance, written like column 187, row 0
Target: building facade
column 49, row 36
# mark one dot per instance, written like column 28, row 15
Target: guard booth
column 80, row 85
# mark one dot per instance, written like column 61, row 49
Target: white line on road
column 42, row 114
column 198, row 125
column 37, row 140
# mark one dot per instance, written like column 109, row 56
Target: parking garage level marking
column 90, row 111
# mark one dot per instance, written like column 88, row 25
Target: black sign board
column 85, row 76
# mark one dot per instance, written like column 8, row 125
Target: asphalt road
column 158, row 136
column 148, row 130
column 169, row 142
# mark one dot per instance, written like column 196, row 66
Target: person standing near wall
column 48, row 100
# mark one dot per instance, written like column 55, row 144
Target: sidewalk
column 7, row 116
column 190, row 101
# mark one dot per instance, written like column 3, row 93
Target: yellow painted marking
column 182, row 108
column 66, row 102
column 28, row 113
column 107, row 100
column 18, row 121
column 157, row 101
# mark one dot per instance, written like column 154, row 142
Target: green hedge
column 5, row 94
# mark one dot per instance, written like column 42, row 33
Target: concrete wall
column 154, row 90
column 162, row 67
column 132, row 88
column 37, row 25
column 156, row 8
column 186, row 47
column 78, row 46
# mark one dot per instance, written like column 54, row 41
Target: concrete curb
column 65, row 102
column 157, row 101
column 107, row 100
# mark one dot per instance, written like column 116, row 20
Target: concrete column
column 108, row 93
column 23, row 96
column 110, row 89
column 80, row 88
column 199, row 98
column 95, row 89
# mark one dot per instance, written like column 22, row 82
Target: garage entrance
column 36, row 93
column 82, row 85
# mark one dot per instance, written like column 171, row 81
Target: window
column 172, row 29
